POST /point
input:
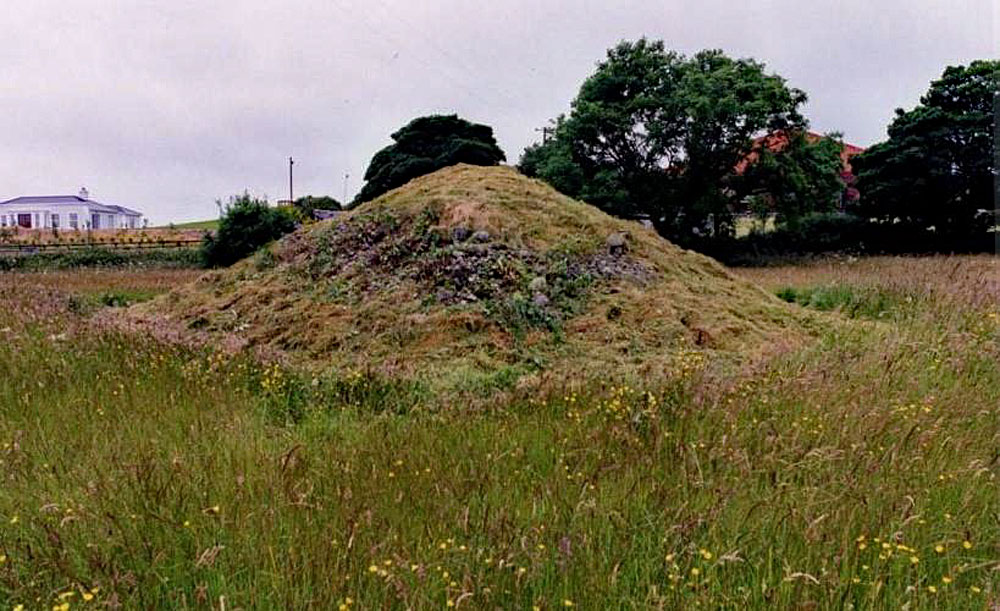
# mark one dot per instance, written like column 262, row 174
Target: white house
column 66, row 212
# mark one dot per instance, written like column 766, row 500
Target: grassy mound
column 476, row 278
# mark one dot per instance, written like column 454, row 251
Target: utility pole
column 546, row 131
column 291, row 198
column 343, row 202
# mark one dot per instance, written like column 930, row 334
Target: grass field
column 859, row 471
column 210, row 225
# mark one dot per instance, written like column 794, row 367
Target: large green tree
column 427, row 144
column 792, row 175
column 654, row 133
column 936, row 169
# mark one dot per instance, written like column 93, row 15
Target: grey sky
column 167, row 105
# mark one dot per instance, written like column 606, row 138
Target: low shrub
column 247, row 223
column 855, row 302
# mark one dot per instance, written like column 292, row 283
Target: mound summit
column 471, row 273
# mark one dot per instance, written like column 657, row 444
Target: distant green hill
column 209, row 225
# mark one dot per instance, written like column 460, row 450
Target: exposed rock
column 481, row 236
column 460, row 233
column 617, row 243
column 538, row 284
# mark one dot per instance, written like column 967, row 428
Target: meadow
column 858, row 470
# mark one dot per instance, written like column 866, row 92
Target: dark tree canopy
column 246, row 224
column 427, row 144
column 936, row 168
column 654, row 133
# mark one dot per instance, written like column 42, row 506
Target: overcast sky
column 168, row 105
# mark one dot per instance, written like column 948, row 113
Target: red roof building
column 777, row 141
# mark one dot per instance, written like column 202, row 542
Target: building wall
column 42, row 217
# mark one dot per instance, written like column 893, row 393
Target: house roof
column 778, row 140
column 69, row 200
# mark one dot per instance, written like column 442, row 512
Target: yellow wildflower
column 939, row 548
column 967, row 544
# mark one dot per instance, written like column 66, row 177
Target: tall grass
column 860, row 471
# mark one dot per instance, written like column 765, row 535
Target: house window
column 74, row 221
column 55, row 221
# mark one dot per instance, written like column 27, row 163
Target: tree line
column 692, row 144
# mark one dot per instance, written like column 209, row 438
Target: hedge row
column 102, row 257
column 841, row 234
